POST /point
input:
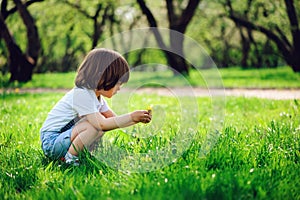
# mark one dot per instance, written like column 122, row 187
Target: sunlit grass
column 282, row 77
column 256, row 156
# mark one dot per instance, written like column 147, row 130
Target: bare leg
column 83, row 135
column 96, row 142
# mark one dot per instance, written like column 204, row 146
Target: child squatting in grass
column 82, row 116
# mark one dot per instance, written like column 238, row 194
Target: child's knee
column 96, row 133
column 92, row 130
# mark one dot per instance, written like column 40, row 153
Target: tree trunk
column 295, row 61
column 178, row 63
column 177, row 60
column 173, row 53
column 295, row 30
column 33, row 43
column 19, row 66
column 245, row 48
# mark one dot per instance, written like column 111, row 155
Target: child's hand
column 141, row 116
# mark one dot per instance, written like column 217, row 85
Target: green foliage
column 66, row 33
column 221, row 37
column 256, row 156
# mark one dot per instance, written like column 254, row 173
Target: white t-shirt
column 77, row 102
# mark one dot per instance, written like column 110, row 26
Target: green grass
column 48, row 80
column 256, row 156
column 280, row 78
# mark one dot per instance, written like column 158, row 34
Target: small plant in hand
column 149, row 109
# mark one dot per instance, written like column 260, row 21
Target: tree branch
column 4, row 9
column 171, row 14
column 6, row 13
column 283, row 37
column 77, row 7
column 291, row 11
column 151, row 20
column 152, row 23
column 98, row 11
column 33, row 46
column 5, row 33
column 187, row 14
column 282, row 46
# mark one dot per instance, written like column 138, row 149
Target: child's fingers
column 146, row 118
column 149, row 117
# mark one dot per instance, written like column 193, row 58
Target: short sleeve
column 85, row 101
column 103, row 105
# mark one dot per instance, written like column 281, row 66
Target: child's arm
column 109, row 114
column 101, row 123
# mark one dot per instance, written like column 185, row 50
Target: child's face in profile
column 109, row 93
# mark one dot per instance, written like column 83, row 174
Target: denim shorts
column 54, row 144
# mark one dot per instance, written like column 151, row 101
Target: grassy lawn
column 255, row 157
column 280, row 78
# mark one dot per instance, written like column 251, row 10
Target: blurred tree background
column 39, row 36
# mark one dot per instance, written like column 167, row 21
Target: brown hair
column 102, row 69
